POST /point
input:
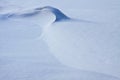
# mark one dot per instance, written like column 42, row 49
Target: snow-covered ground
column 42, row 43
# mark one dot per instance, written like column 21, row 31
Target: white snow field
column 59, row 40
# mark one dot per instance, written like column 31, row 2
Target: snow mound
column 92, row 50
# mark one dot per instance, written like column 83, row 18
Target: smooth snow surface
column 55, row 40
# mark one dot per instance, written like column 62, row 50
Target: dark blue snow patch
column 6, row 16
column 30, row 14
column 60, row 16
column 15, row 15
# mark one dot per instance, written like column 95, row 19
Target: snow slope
column 43, row 43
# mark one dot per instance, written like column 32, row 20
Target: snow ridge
column 59, row 15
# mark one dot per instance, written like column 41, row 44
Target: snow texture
column 64, row 42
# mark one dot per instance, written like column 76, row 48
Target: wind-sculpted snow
column 45, row 44
column 97, row 45
column 58, row 14
column 86, row 46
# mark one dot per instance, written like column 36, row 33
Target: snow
column 50, row 40
column 86, row 46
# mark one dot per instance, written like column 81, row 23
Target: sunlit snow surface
column 74, row 40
